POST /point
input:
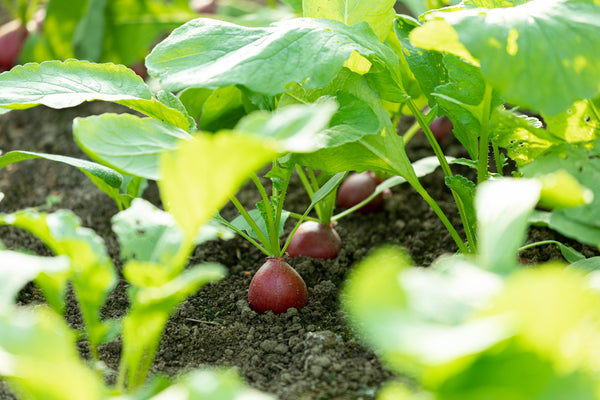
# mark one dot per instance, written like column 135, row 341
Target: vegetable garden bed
column 131, row 243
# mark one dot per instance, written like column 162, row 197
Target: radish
column 313, row 239
column 276, row 287
column 12, row 38
column 441, row 127
column 356, row 188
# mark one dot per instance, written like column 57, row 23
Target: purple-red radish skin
column 315, row 240
column 12, row 38
column 358, row 187
column 441, row 127
column 276, row 287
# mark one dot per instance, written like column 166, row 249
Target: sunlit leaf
column 18, row 269
column 151, row 307
column 509, row 42
column 210, row 54
column 503, row 207
column 198, row 178
column 38, row 356
column 59, row 84
column 378, row 15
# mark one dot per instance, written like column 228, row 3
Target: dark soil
column 306, row 354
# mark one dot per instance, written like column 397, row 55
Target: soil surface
column 306, row 354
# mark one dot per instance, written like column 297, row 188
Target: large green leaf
column 59, row 84
column 211, row 54
column 107, row 175
column 39, row 358
column 417, row 318
column 378, row 15
column 510, row 42
column 127, row 143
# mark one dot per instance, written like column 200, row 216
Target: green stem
column 279, row 211
column 471, row 238
column 535, row 244
column 245, row 236
column 499, row 166
column 414, row 182
column 310, row 189
column 436, row 208
column 303, row 217
column 272, row 230
column 261, row 237
column 410, row 132
column 482, row 161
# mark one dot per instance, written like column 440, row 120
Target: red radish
column 140, row 69
column 204, row 6
column 276, row 287
column 315, row 240
column 12, row 38
column 358, row 187
column 441, row 127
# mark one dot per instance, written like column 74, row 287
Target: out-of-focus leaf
column 18, row 269
column 378, row 15
column 38, row 354
column 503, row 207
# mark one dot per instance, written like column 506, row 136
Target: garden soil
column 308, row 354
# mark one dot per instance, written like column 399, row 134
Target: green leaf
column 38, row 355
column 18, row 269
column 147, row 234
column 106, row 175
column 93, row 274
column 151, row 307
column 198, row 178
column 379, row 15
column 222, row 109
column 130, row 35
column 580, row 122
column 581, row 162
column 89, row 33
column 503, row 207
column 296, row 128
column 207, row 384
column 206, row 53
column 417, row 317
column 509, row 42
column 59, row 84
column 465, row 190
column 463, row 100
column 426, row 65
column 127, row 143
column 522, row 136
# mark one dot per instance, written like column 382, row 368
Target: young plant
column 418, row 318
column 155, row 246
